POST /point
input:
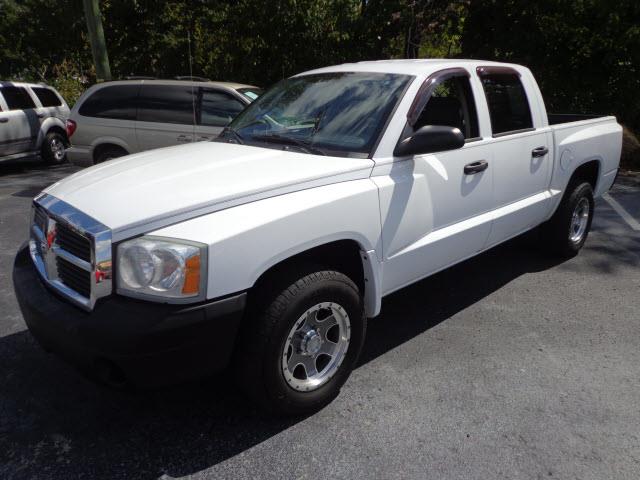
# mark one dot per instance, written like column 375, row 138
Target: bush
column 630, row 158
column 69, row 81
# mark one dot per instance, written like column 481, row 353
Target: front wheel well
column 107, row 146
column 343, row 256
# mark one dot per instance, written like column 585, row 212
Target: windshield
column 338, row 113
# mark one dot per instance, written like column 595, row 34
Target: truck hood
column 156, row 188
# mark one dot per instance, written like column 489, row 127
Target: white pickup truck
column 268, row 249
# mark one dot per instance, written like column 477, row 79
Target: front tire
column 566, row 232
column 54, row 148
column 303, row 343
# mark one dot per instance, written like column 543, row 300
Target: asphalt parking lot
column 511, row 365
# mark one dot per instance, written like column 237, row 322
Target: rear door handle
column 4, row 120
column 476, row 167
column 539, row 152
column 40, row 115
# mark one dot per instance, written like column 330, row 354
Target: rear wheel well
column 97, row 151
column 343, row 256
column 587, row 172
column 62, row 132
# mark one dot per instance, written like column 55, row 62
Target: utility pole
column 96, row 38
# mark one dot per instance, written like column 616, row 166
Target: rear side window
column 47, row 97
column 167, row 104
column 17, row 98
column 116, row 101
column 507, row 100
column 217, row 109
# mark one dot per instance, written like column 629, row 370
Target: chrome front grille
column 74, row 277
column 71, row 251
column 73, row 242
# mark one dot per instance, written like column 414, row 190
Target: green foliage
column 67, row 79
column 584, row 53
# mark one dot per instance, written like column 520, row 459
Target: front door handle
column 539, row 152
column 476, row 167
column 40, row 115
column 4, row 120
column 184, row 138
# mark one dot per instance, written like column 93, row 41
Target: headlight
column 161, row 268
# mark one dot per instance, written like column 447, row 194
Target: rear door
column 166, row 115
column 521, row 146
column 107, row 115
column 52, row 104
column 19, row 124
column 216, row 109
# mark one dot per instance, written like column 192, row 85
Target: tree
column 584, row 53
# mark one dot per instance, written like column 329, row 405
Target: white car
column 114, row 119
column 32, row 122
column 269, row 248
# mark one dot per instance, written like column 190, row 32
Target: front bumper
column 130, row 341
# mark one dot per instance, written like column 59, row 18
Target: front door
column 436, row 208
column 216, row 109
column 166, row 115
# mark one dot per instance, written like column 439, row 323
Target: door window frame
column 504, row 70
column 26, row 91
column 200, row 93
column 426, row 90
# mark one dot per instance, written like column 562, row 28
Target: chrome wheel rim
column 316, row 346
column 57, row 148
column 579, row 221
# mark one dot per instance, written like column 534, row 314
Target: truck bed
column 557, row 118
column 581, row 138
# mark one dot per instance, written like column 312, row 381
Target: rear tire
column 566, row 232
column 302, row 344
column 53, row 148
column 109, row 153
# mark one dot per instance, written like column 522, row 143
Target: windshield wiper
column 238, row 138
column 305, row 145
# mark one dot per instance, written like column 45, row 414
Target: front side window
column 116, row 101
column 47, row 97
column 337, row 113
column 167, row 104
column 17, row 98
column 451, row 104
column 217, row 109
column 507, row 101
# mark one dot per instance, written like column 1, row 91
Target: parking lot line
column 626, row 216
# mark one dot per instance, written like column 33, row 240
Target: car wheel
column 109, row 153
column 566, row 232
column 300, row 349
column 54, row 148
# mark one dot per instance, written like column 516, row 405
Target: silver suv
column 32, row 122
column 113, row 119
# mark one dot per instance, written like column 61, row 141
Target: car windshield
column 338, row 113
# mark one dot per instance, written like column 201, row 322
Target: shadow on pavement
column 55, row 423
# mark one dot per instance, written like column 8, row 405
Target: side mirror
column 429, row 139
